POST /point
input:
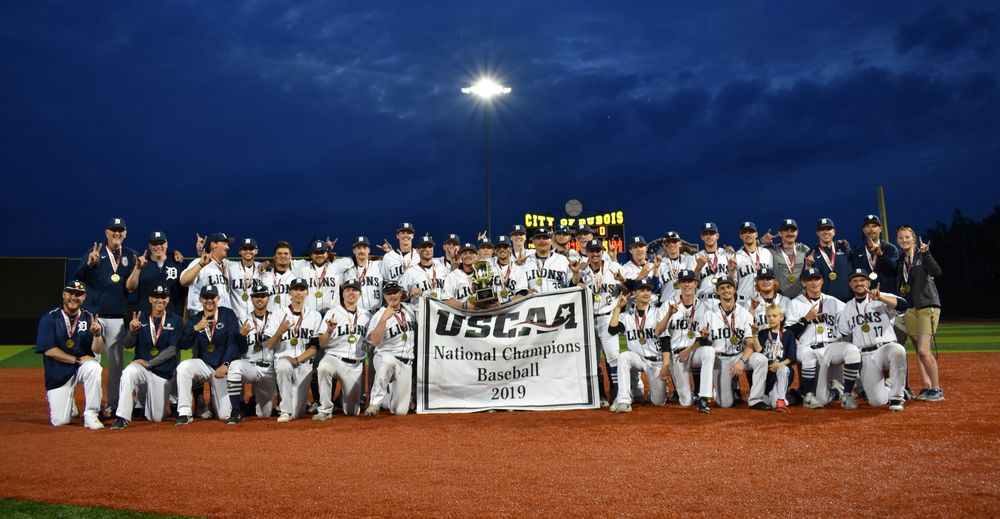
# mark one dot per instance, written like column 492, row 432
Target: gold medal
column 352, row 339
column 905, row 289
column 677, row 284
column 503, row 293
column 115, row 278
column 245, row 296
column 734, row 340
column 154, row 352
column 256, row 347
column 819, row 329
column 597, row 298
column 295, row 341
column 715, row 281
column 434, row 294
column 642, row 340
column 791, row 279
column 872, row 276
column 319, row 293
column 473, row 299
column 538, row 281
column 277, row 299
column 211, row 348
column 404, row 336
column 69, row 344
column 865, row 328
column 833, row 276
column 690, row 334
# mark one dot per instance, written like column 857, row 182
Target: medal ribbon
column 730, row 324
column 713, row 266
column 115, row 259
column 71, row 327
column 155, row 335
column 640, row 326
column 322, row 275
column 221, row 265
column 598, row 278
column 210, row 335
column 907, row 266
column 401, row 321
column 790, row 263
column 872, row 260
column 247, row 280
column 432, row 279
column 830, row 260
column 863, row 314
column 690, row 316
column 541, row 265
column 259, row 331
column 298, row 324
column 756, row 255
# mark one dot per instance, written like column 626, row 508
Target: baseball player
column 161, row 269
column 519, row 250
column 779, row 348
column 256, row 367
column 812, row 317
column 671, row 264
column 729, row 328
column 561, row 239
column 711, row 263
column 318, row 270
column 156, row 337
column 70, row 339
column 485, row 249
column 877, row 255
column 278, row 278
column 449, row 260
column 601, row 278
column 457, row 286
column 867, row 320
column 342, row 335
column 546, row 271
column 103, row 271
column 689, row 353
column 396, row 262
column 243, row 275
column 639, row 268
column 294, row 337
column 425, row 276
column 216, row 336
column 367, row 272
column 508, row 277
column 642, row 326
column 585, row 233
column 792, row 256
column 833, row 259
column 393, row 335
column 766, row 287
column 209, row 270
column 748, row 261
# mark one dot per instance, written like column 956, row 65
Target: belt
column 727, row 355
column 817, row 346
column 408, row 362
column 349, row 361
column 262, row 364
column 709, row 296
column 678, row 351
column 869, row 349
column 655, row 358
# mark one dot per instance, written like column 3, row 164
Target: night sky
column 294, row 120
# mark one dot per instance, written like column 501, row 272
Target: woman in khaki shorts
column 917, row 270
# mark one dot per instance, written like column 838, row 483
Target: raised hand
column 657, row 260
column 134, row 324
column 205, row 259
column 754, row 303
column 331, row 324
column 141, row 261
column 622, row 301
column 199, row 243
column 813, row 313
column 810, row 259
column 732, row 265
column 924, row 247
column 95, row 326
column 178, row 256
column 575, row 266
column 283, row 326
column 386, row 247
column 246, row 328
column 94, row 255
column 699, row 263
column 767, row 238
column 416, row 291
column 705, row 332
column 330, row 244
column 875, row 294
column 729, row 249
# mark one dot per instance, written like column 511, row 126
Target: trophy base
column 484, row 297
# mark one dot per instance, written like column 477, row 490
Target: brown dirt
column 934, row 459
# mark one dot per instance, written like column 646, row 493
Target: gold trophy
column 482, row 283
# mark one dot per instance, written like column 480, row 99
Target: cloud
column 939, row 31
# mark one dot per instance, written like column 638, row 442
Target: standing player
column 157, row 338
column 728, row 327
column 584, row 233
column 671, row 265
column 209, row 270
column 294, row 337
column 792, row 258
column 867, row 320
column 342, row 334
column 160, row 270
column 546, row 270
column 425, row 276
column 457, row 286
column 396, row 262
column 642, row 326
column 917, row 271
column 639, row 269
column 217, row 338
column 689, row 353
column 318, row 270
column 70, row 338
column 601, row 276
column 278, row 278
column 560, row 242
column 711, row 263
column 243, row 275
column 509, row 278
column 393, row 336
column 104, row 271
column 833, row 263
column 749, row 259
column 449, row 260
column 485, row 248
column 877, row 256
column 519, row 250
column 367, row 272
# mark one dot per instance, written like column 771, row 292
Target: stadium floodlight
column 486, row 89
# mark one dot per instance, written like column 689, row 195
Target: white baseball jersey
column 684, row 326
column 277, row 285
column 212, row 274
column 446, row 264
column 241, row 280
column 825, row 329
column 508, row 280
column 429, row 279
column 400, row 332
column 549, row 273
column 303, row 328
column 324, row 285
column 257, row 350
column 515, row 254
column 395, row 263
column 725, row 326
column 670, row 289
column 716, row 265
column 759, row 313
column 457, row 286
column 631, row 269
column 347, row 338
column 747, row 264
column 369, row 276
column 867, row 322
column 640, row 330
column 603, row 285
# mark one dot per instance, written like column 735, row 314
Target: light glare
column 486, row 88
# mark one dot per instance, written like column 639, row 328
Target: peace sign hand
column 199, row 242
column 94, row 256
column 135, row 324
column 95, row 326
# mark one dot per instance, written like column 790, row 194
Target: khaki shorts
column 922, row 321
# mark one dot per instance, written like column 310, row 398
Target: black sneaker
column 762, row 406
column 120, row 423
column 184, row 420
column 138, row 414
column 235, row 417
column 896, row 405
column 703, row 405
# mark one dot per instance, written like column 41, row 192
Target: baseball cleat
column 848, row 402
column 372, row 410
column 703, row 405
column 934, row 395
column 284, row 417
column 625, row 408
column 322, row 417
column 120, row 423
column 781, row 406
column 75, row 413
column 896, row 405
column 907, row 394
column 92, row 423
column 762, row 406
column 184, row 420
column 605, row 403
column 811, row 401
column 205, row 414
column 312, row 408
column 235, row 417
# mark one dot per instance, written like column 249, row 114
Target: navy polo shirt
column 106, row 297
column 885, row 266
column 172, row 335
column 838, row 288
column 169, row 275
column 227, row 339
column 52, row 333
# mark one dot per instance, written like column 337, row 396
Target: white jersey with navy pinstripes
column 214, row 274
column 548, row 273
column 347, row 337
column 747, row 265
column 875, row 314
column 277, row 284
column 508, row 280
column 723, row 326
column 684, row 325
column 400, row 334
column 369, row 276
column 604, row 287
column 759, row 313
column 395, row 263
column 257, row 350
column 323, row 280
column 716, row 265
column 669, row 268
column 429, row 279
column 241, row 280
column 822, row 329
column 640, row 330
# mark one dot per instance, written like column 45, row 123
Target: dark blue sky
column 286, row 120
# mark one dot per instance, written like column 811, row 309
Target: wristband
column 77, row 361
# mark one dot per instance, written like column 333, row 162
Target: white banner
column 536, row 354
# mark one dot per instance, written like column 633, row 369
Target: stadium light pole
column 486, row 89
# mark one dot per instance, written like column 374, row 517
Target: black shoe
column 250, row 407
column 138, row 414
column 703, row 405
column 184, row 420
column 235, row 417
column 762, row 406
column 674, row 398
column 120, row 423
column 908, row 394
column 106, row 414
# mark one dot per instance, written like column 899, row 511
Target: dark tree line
column 969, row 255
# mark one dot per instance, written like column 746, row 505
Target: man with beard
column 791, row 258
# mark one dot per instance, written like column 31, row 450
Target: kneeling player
column 393, row 338
column 688, row 353
column 642, row 325
column 257, row 365
column 294, row 337
column 779, row 348
column 342, row 334
column 728, row 327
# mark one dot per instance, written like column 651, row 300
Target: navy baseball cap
column 259, row 289
column 485, row 242
column 503, row 241
column 75, row 286
column 687, row 275
column 811, row 273
column 209, row 291
column 317, row 246
column 518, row 229
column 637, row 241
column 353, row 283
column 595, row 245
column 563, row 229
column 672, row 236
column 584, row 229
column 248, row 243
column 217, row 237
column 725, row 280
column 824, row 223
column 426, row 241
column 541, row 231
column 160, row 291
column 709, row 227
column 467, row 247
column 765, row 272
column 116, row 223
column 748, row 226
column 361, row 240
column 157, row 237
column 405, row 227
column 297, row 283
column 858, row 273
column 453, row 238
column 636, row 284
column 788, row 223
column 872, row 219
column 391, row 286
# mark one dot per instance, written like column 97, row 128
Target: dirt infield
column 934, row 459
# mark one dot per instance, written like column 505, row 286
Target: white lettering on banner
column 538, row 353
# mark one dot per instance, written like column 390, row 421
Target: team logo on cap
column 246, row 241
column 157, row 234
column 788, row 222
column 118, row 221
column 360, row 238
column 824, row 221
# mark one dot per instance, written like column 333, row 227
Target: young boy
column 779, row 348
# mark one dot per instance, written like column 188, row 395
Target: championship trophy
column 482, row 283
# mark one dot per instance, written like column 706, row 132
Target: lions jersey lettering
column 831, row 309
column 393, row 340
column 722, row 328
column 875, row 314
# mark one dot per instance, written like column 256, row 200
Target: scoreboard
column 608, row 227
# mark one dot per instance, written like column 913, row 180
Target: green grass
column 24, row 509
column 25, row 357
